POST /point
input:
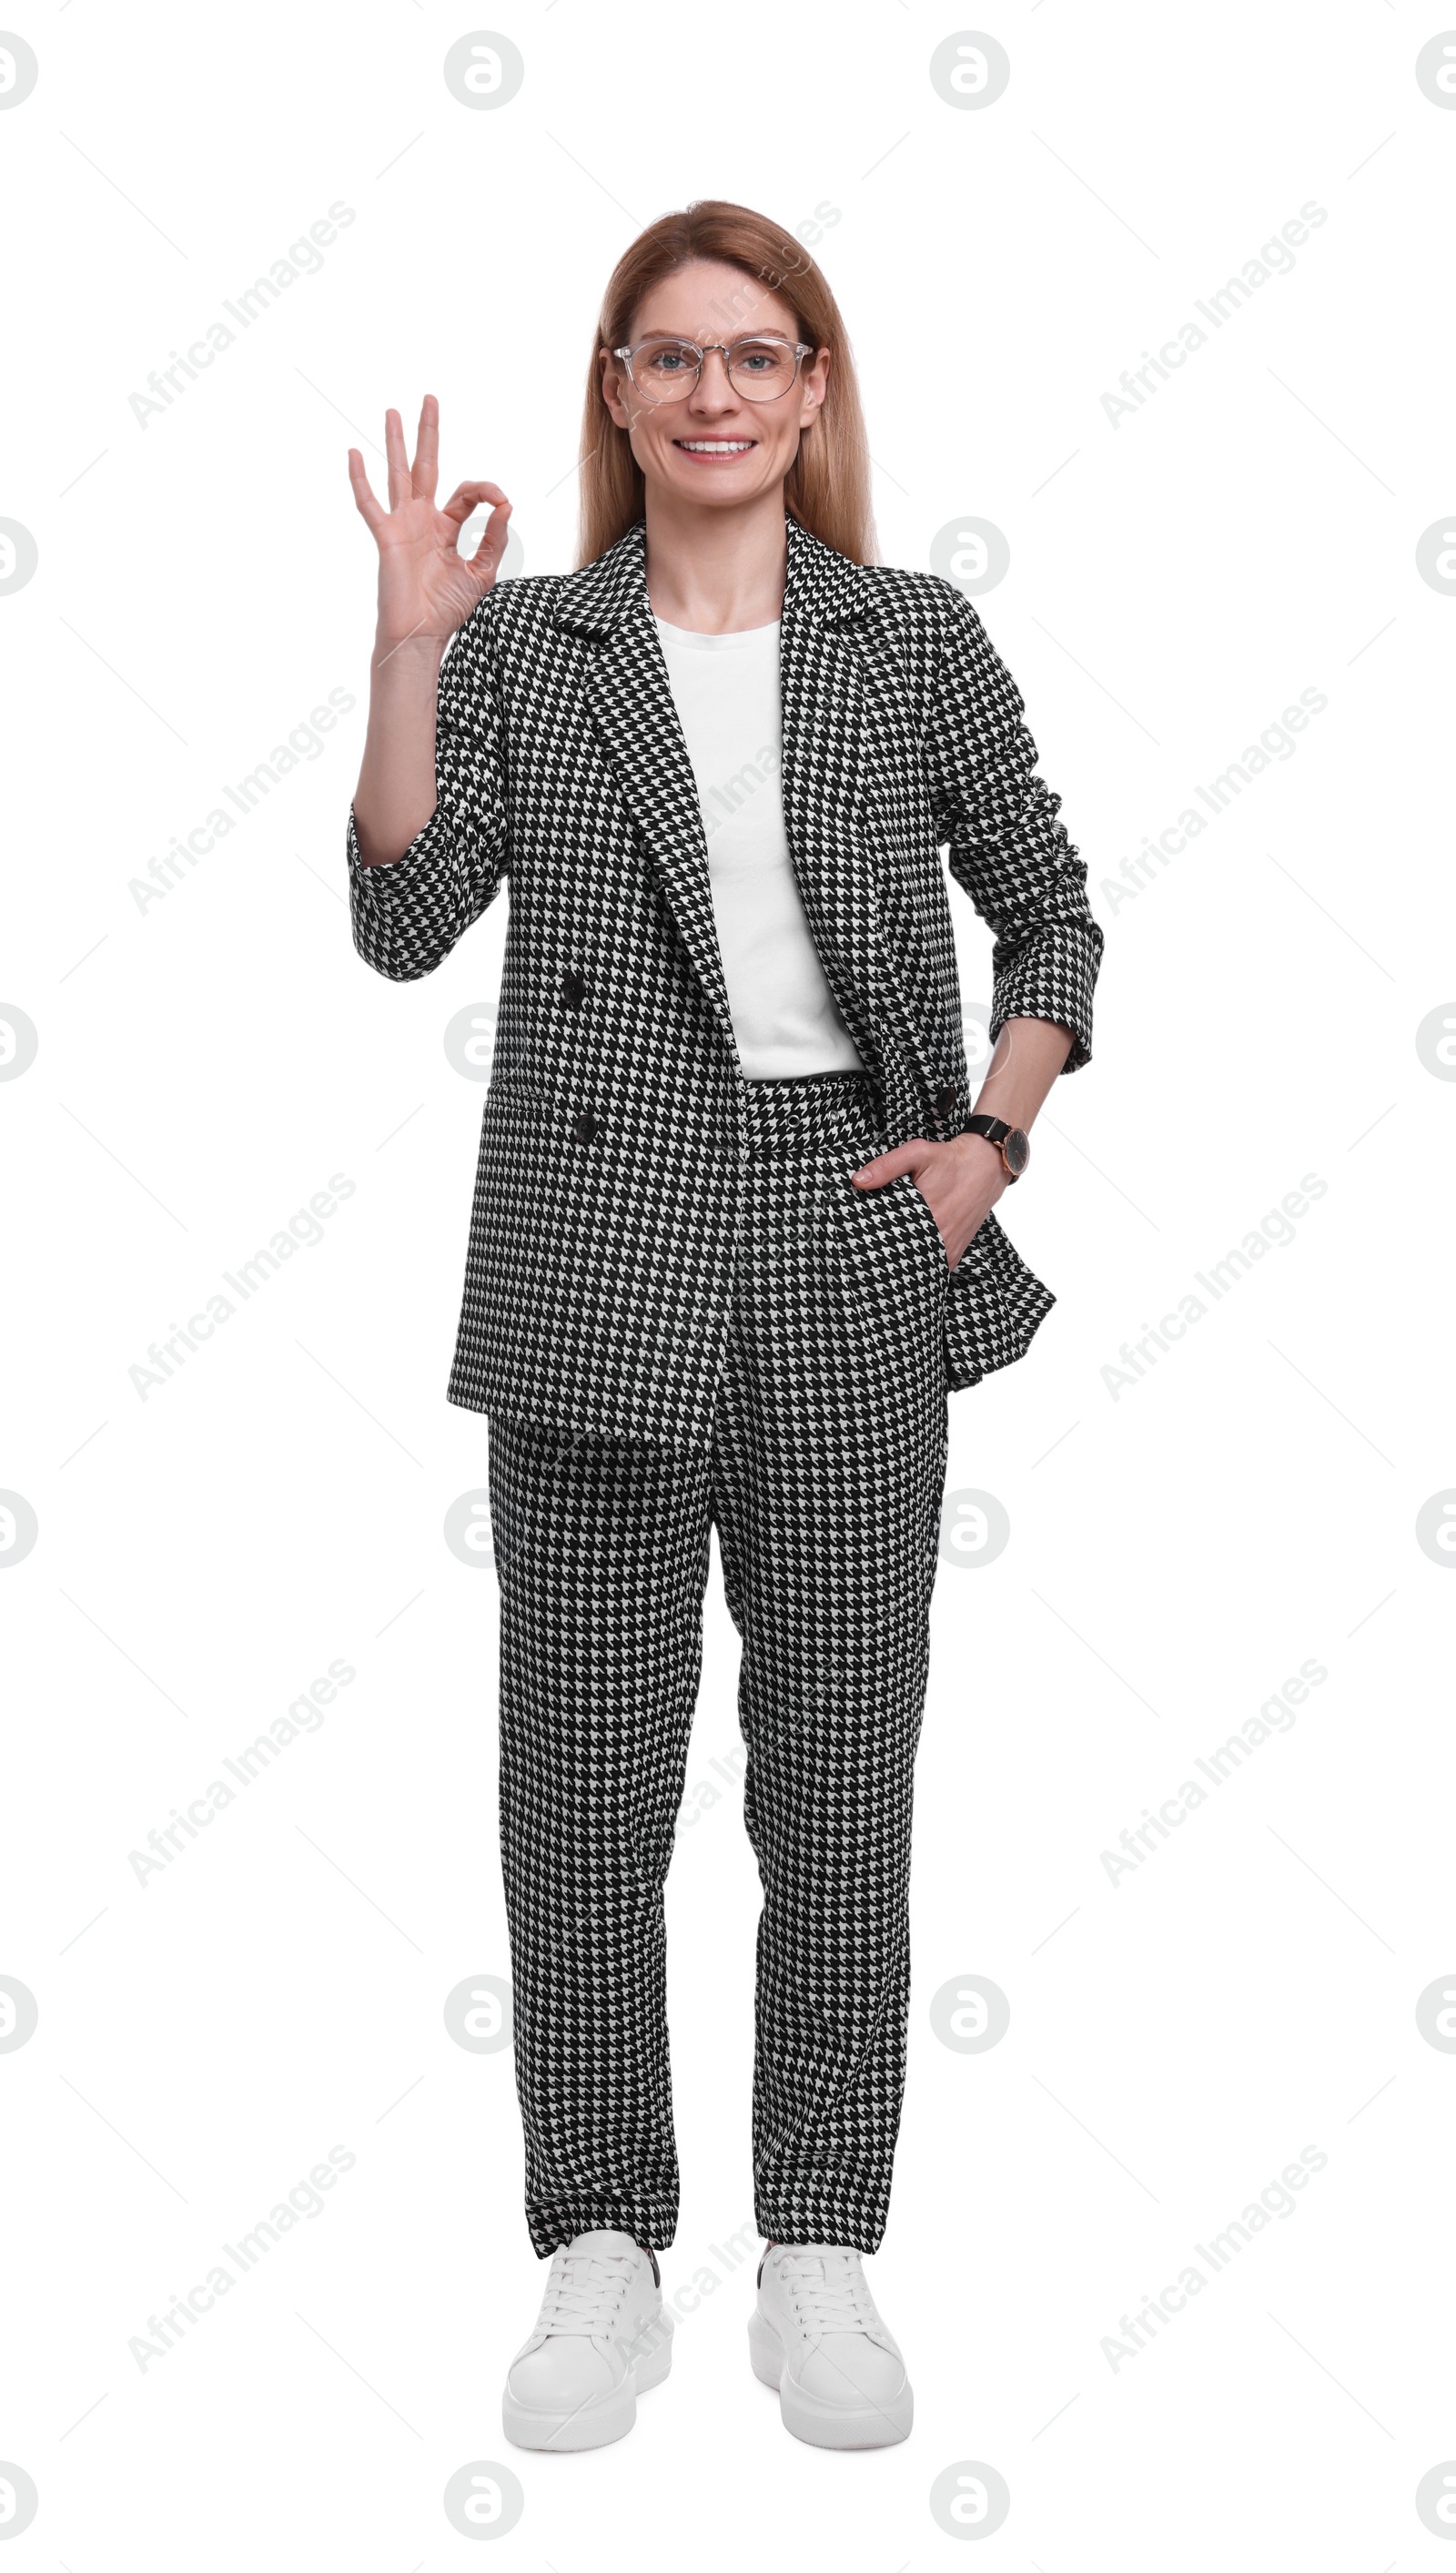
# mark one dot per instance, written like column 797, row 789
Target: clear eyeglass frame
column 725, row 348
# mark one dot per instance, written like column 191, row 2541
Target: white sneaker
column 816, row 2336
column 603, row 2335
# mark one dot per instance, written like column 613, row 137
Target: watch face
column 1018, row 1151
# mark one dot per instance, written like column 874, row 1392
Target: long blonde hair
column 828, row 486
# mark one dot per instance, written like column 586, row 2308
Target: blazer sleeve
column 1008, row 850
column 407, row 915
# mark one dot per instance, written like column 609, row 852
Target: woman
column 732, row 1239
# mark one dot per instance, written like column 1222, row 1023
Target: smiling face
column 713, row 446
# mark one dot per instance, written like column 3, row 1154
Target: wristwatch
column 1013, row 1145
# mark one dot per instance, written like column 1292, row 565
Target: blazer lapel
column 843, row 739
column 821, row 692
column 822, row 688
column 633, row 704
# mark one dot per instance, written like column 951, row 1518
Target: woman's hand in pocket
column 959, row 1183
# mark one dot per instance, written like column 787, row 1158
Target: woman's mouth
column 715, row 451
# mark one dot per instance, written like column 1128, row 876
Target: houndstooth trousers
column 824, row 1478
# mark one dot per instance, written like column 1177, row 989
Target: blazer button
column 573, row 989
column 587, row 1127
column 944, row 1100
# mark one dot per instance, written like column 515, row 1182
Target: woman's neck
column 716, row 571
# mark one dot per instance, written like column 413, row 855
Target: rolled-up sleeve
column 407, row 915
column 1008, row 850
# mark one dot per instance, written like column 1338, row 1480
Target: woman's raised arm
column 426, row 592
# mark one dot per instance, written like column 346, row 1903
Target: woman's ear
column 611, row 388
column 816, row 386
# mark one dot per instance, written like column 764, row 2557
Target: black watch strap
column 1009, row 1140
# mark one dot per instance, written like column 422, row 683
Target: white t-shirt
column 726, row 690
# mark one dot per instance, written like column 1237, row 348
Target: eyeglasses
column 663, row 370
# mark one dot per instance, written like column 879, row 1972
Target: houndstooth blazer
column 599, row 1266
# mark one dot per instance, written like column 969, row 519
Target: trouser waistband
column 810, row 1109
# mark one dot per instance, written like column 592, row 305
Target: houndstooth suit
column 681, row 1314
column 611, row 1174
column 824, row 1482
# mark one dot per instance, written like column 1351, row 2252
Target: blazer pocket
column 994, row 1309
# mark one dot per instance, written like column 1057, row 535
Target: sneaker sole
column 807, row 2417
column 597, row 2423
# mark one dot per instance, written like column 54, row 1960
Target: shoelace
column 582, row 2292
column 829, row 2291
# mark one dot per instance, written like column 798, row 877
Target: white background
column 1179, row 1544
